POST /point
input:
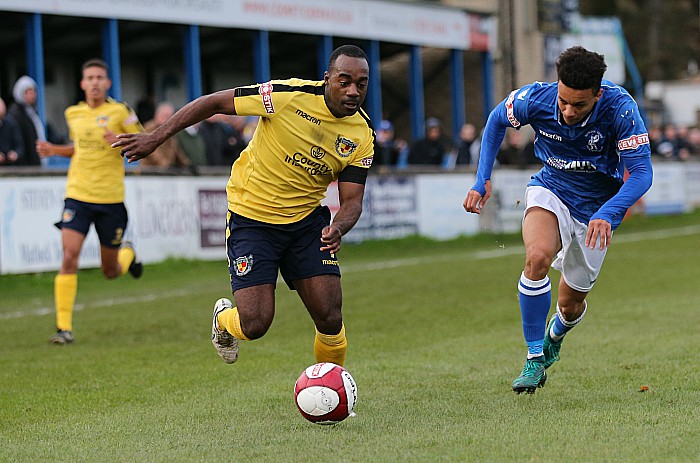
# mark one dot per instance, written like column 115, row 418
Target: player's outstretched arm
column 135, row 146
column 45, row 149
column 493, row 135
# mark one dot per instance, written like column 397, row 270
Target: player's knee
column 537, row 264
column 110, row 271
column 330, row 323
column 69, row 264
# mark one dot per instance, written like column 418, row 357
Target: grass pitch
column 434, row 343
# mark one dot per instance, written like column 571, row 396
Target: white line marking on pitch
column 383, row 265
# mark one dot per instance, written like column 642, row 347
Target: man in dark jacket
column 11, row 146
column 432, row 149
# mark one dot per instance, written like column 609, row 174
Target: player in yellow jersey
column 310, row 134
column 94, row 191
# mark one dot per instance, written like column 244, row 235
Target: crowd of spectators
column 219, row 140
column 668, row 142
column 675, row 143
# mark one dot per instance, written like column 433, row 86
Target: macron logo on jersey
column 551, row 136
column 633, row 142
column 265, row 91
column 509, row 110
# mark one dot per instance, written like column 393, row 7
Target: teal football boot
column 532, row 376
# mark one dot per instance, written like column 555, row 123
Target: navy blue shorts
column 258, row 251
column 110, row 220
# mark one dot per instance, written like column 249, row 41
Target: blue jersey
column 584, row 163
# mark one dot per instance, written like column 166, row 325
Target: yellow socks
column 331, row 347
column 65, row 288
column 125, row 257
column 230, row 320
column 327, row 347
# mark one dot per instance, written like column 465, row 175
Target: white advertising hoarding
column 376, row 20
column 181, row 217
column 29, row 242
column 185, row 217
column 441, row 214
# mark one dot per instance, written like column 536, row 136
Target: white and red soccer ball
column 325, row 393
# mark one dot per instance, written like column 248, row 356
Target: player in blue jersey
column 588, row 131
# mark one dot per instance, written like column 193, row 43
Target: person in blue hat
column 389, row 149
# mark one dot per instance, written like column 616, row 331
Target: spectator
column 223, row 141
column 11, row 145
column 193, row 145
column 518, row 150
column 146, row 107
column 468, row 148
column 390, row 151
column 432, row 149
column 694, row 142
column 169, row 154
column 27, row 119
column 655, row 136
column 685, row 148
column 247, row 128
column 670, row 145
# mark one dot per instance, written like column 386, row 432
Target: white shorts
column 578, row 264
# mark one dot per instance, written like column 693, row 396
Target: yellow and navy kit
column 298, row 149
column 96, row 172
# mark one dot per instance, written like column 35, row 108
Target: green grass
column 434, row 343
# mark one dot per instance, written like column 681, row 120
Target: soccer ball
column 325, row 393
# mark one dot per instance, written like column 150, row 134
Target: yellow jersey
column 96, row 172
column 297, row 150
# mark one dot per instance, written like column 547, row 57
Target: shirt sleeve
column 511, row 112
column 638, row 183
column 261, row 99
column 630, row 132
column 635, row 152
column 364, row 156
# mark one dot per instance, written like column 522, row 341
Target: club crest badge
column 243, row 265
column 595, row 141
column 102, row 121
column 344, row 146
column 68, row 215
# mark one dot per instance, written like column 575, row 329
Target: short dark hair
column 94, row 62
column 346, row 50
column 581, row 69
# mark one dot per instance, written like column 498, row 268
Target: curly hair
column 581, row 69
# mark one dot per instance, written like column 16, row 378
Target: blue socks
column 535, row 300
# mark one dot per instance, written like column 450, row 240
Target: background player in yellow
column 94, row 191
column 310, row 134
